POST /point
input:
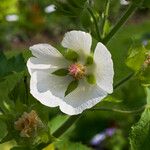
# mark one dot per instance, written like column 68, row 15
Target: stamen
column 76, row 70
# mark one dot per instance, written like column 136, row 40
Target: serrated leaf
column 140, row 132
column 136, row 58
column 13, row 64
column 6, row 87
column 60, row 72
column 71, row 87
column 71, row 55
column 91, row 79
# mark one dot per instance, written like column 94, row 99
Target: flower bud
column 28, row 124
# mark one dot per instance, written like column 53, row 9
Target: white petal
column 47, row 88
column 78, row 41
column 50, row 89
column 84, row 97
column 35, row 64
column 45, row 51
column 104, row 68
column 46, row 57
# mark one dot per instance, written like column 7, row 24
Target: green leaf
column 67, row 145
column 3, row 129
column 13, row 64
column 56, row 122
column 71, row 55
column 136, row 58
column 60, row 72
column 86, row 19
column 7, row 86
column 71, row 87
column 140, row 132
column 89, row 60
column 111, row 103
column 91, row 79
column 71, row 8
column 146, row 3
column 22, row 148
column 144, row 76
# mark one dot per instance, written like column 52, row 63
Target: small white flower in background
column 50, row 8
column 12, row 17
column 72, row 85
column 124, row 2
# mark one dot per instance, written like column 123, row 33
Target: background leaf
column 140, row 132
column 136, row 57
column 3, row 129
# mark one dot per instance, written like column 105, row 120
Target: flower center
column 76, row 70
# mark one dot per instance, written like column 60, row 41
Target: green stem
column 95, row 23
column 26, row 89
column 66, row 125
column 62, row 129
column 105, row 17
column 132, row 8
column 121, row 82
column 122, row 111
column 72, row 119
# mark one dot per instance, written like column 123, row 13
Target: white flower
column 12, row 17
column 50, row 89
column 124, row 2
column 49, row 9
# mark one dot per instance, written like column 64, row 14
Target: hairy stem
column 66, row 125
column 105, row 17
column 122, row 111
column 95, row 23
column 132, row 8
column 26, row 89
column 121, row 82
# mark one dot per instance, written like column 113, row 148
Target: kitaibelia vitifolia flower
column 73, row 82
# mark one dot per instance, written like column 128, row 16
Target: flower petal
column 46, row 57
column 45, row 51
column 84, row 97
column 78, row 41
column 50, row 89
column 35, row 64
column 47, row 88
column 104, row 68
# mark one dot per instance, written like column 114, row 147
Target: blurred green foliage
column 14, row 79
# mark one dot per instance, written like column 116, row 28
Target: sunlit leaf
column 136, row 57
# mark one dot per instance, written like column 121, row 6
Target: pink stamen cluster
column 77, row 71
